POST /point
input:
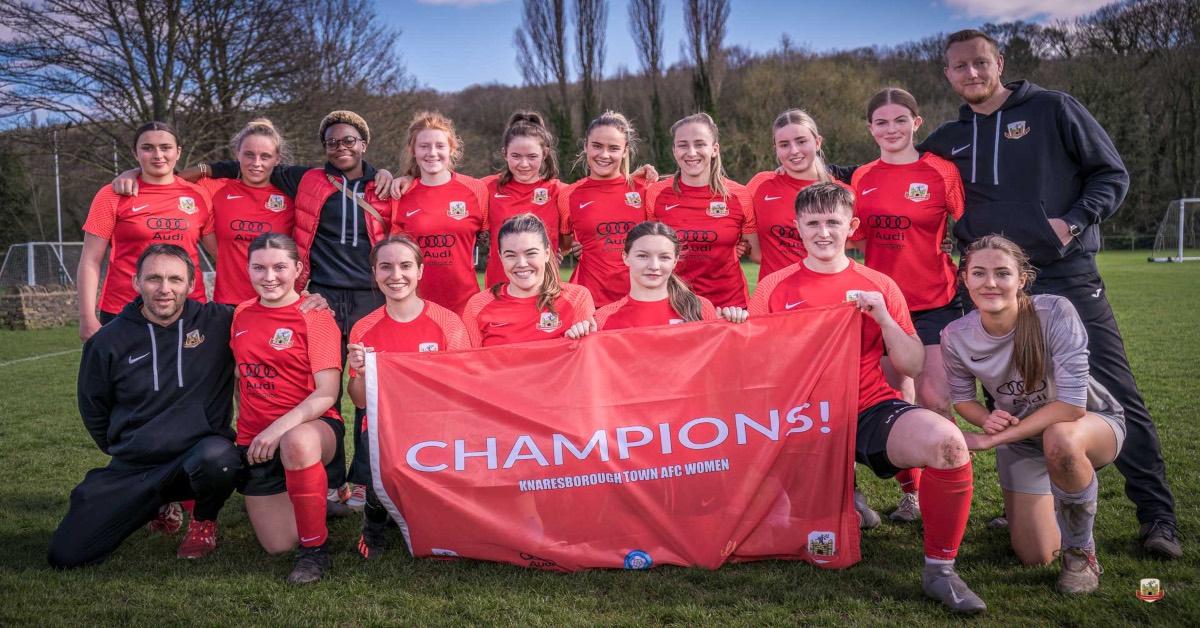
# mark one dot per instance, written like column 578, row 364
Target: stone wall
column 38, row 307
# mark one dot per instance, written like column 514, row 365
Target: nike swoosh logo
column 240, row 333
column 954, row 596
column 232, row 197
column 670, row 207
column 140, row 208
column 1096, row 294
column 955, row 151
column 133, row 359
column 582, row 205
column 772, row 198
column 790, row 306
column 407, row 214
column 309, row 539
column 499, row 196
column 979, row 358
column 497, row 324
column 868, row 191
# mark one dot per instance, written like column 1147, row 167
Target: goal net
column 1178, row 238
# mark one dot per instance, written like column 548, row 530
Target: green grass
column 45, row 452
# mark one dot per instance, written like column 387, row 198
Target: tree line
column 92, row 70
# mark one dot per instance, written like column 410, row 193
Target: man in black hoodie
column 156, row 394
column 1040, row 170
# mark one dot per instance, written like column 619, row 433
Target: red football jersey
column 628, row 312
column 902, row 212
column 434, row 329
column 500, row 320
column 175, row 213
column 598, row 213
column 710, row 228
column 774, row 197
column 797, row 287
column 277, row 351
column 445, row 221
column 240, row 214
column 539, row 199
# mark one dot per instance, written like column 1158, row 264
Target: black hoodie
column 147, row 393
column 1041, row 155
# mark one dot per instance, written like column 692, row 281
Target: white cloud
column 1006, row 10
column 458, row 3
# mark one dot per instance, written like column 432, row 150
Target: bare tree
column 591, row 19
column 646, row 18
column 541, row 43
column 705, row 23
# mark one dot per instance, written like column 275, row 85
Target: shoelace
column 1092, row 563
column 1167, row 530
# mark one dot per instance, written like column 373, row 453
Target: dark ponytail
column 1029, row 343
column 528, row 124
column 685, row 302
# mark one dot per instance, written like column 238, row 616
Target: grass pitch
column 45, row 451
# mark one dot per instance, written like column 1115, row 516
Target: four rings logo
column 785, row 232
column 1017, row 387
column 249, row 226
column 253, row 369
column 159, row 223
column 697, row 236
column 613, row 228
column 442, row 240
column 889, row 222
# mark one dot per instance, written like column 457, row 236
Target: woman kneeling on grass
column 1053, row 425
column 405, row 323
column 657, row 296
column 289, row 375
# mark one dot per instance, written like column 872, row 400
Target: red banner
column 688, row 445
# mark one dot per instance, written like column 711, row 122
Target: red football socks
column 306, row 490
column 945, row 506
column 910, row 480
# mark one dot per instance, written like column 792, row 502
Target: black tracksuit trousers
column 113, row 502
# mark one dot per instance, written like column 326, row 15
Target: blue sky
column 450, row 44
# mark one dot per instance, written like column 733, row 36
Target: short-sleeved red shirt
column 598, row 213
column 241, row 213
column 709, row 227
column 902, row 211
column 503, row 319
column 628, row 312
column 796, row 287
column 445, row 221
column 539, row 199
column 277, row 350
column 176, row 213
column 434, row 329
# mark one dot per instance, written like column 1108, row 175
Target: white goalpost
column 1178, row 238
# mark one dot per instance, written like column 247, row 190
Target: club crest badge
column 852, row 295
column 541, row 196
column 426, row 347
column 822, row 544
column 633, row 199
column 276, row 203
column 548, row 322
column 282, row 339
column 1016, row 130
column 193, row 339
column 718, row 209
column 917, row 192
column 187, row 205
column 458, row 210
column 1150, row 590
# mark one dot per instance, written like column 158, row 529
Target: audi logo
column 889, row 222
column 785, row 232
column 250, row 226
column 158, row 223
column 442, row 240
column 696, row 236
column 613, row 228
column 1017, row 387
column 252, row 369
